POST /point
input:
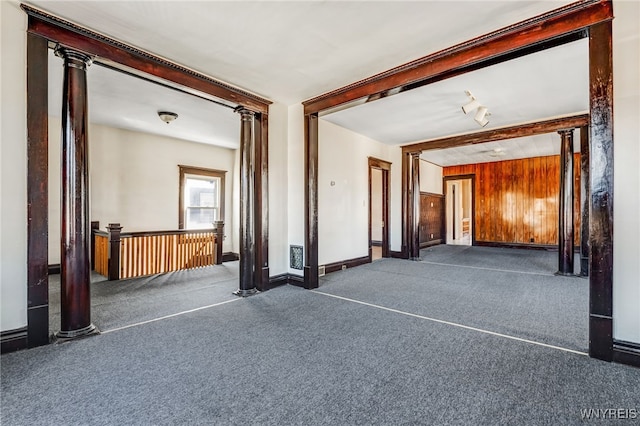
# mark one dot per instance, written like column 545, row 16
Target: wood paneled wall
column 431, row 217
column 516, row 201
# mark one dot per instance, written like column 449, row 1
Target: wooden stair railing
column 118, row 255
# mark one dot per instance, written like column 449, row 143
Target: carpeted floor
column 292, row 356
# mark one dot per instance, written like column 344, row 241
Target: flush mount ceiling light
column 167, row 116
column 496, row 152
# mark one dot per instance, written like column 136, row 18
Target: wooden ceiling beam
column 490, row 48
column 112, row 52
column 518, row 131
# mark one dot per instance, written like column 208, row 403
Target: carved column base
column 76, row 334
column 245, row 293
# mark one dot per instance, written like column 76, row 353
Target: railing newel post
column 114, row 230
column 219, row 231
column 95, row 225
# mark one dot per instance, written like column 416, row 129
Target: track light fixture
column 473, row 103
column 481, row 114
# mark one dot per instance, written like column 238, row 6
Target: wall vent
column 295, row 257
column 321, row 271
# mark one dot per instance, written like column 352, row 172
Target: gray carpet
column 291, row 356
column 509, row 291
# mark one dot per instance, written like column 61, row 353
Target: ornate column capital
column 246, row 114
column 566, row 132
column 73, row 58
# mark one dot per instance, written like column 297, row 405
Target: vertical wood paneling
column 431, row 217
column 517, row 200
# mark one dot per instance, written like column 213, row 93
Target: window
column 201, row 197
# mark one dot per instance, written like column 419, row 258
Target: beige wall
column 343, row 192
column 134, row 180
column 430, row 177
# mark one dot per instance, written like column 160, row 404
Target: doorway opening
column 379, row 184
column 459, row 211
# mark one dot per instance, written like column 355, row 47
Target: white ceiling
column 292, row 51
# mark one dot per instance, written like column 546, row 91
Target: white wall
column 343, row 192
column 626, row 204
column 430, row 177
column 13, row 160
column 134, row 180
column 278, row 196
column 295, row 181
column 376, row 204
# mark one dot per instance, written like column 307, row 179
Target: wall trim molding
column 54, row 268
column 13, row 340
column 430, row 243
column 397, row 254
column 549, row 247
column 230, row 256
column 344, row 264
column 626, row 352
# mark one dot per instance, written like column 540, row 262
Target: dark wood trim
column 277, row 281
column 376, row 243
column 601, row 200
column 626, row 352
column 565, row 204
column 516, row 245
column 117, row 54
column 54, row 268
column 472, row 54
column 95, row 226
column 414, row 207
column 344, row 264
column 198, row 171
column 406, row 211
column 311, row 201
column 385, row 168
column 13, row 340
column 584, row 201
column 296, row 280
column 261, row 202
column 517, row 131
column 230, row 256
column 397, row 254
column 430, row 243
column 115, row 237
column 473, row 204
column 247, row 285
column 37, row 191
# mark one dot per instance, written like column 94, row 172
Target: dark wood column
column 565, row 204
column 37, row 192
column 414, row 206
column 75, row 266
column 601, row 197
column 311, row 201
column 247, row 212
column 261, row 203
column 584, row 201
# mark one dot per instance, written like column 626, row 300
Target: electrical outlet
column 344, row 267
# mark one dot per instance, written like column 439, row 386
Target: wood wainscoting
column 431, row 219
column 516, row 201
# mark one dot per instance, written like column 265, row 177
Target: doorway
column 379, row 184
column 459, row 211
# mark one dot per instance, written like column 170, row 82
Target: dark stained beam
column 601, row 200
column 311, row 201
column 247, row 285
column 584, row 201
column 565, row 204
column 414, row 207
column 261, row 195
column 75, row 229
column 522, row 130
column 114, row 52
column 556, row 23
column 37, row 192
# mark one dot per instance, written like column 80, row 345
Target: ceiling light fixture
column 473, row 103
column 167, row 116
column 481, row 116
